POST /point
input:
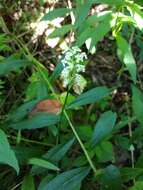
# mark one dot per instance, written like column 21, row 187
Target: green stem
column 39, row 66
column 29, row 141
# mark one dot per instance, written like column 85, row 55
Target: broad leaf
column 137, row 103
column 60, row 12
column 68, row 180
column 28, row 182
column 37, row 121
column 43, row 163
column 126, row 56
column 91, row 96
column 104, row 126
column 104, row 152
column 111, row 178
column 7, row 155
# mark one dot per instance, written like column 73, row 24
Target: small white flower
column 73, row 63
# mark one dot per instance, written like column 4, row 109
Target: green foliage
column 104, row 126
column 7, row 155
column 43, row 163
column 74, row 149
column 56, row 13
column 125, row 55
column 28, row 182
column 137, row 103
column 38, row 121
column 68, row 180
column 95, row 94
column 11, row 64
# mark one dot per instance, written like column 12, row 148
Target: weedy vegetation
column 71, row 95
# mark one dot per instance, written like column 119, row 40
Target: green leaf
column 24, row 153
column 111, row 178
column 54, row 155
column 139, row 162
column 38, row 121
column 84, row 35
column 11, row 64
column 138, row 186
column 130, row 173
column 137, row 103
column 136, row 14
column 91, row 96
column 82, row 13
column 60, row 12
column 7, row 155
column 126, row 56
column 43, row 163
column 57, row 71
column 60, row 32
column 58, row 152
column 68, row 180
column 104, row 126
column 28, row 182
column 22, row 111
column 104, row 152
column 95, row 28
column 110, row 2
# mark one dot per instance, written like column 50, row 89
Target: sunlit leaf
column 56, row 13
column 60, row 32
column 126, row 56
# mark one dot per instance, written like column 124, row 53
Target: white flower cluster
column 73, row 63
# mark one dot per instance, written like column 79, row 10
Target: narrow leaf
column 43, row 163
column 126, row 56
column 104, row 126
column 38, row 121
column 57, row 153
column 54, row 155
column 137, row 103
column 91, row 96
column 82, row 13
column 56, row 13
column 68, row 180
column 11, row 64
column 60, row 32
column 22, row 111
column 7, row 155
